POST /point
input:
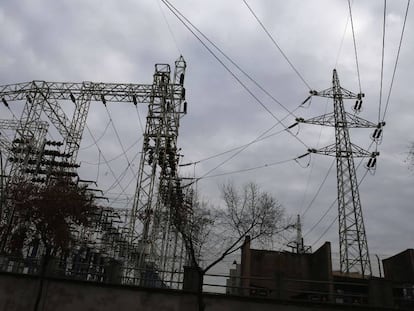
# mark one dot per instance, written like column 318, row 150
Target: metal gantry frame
column 148, row 237
column 354, row 254
column 159, row 167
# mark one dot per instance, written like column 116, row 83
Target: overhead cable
column 177, row 13
column 118, row 137
column 333, row 203
column 342, row 40
column 331, row 224
column 396, row 61
column 249, row 169
column 256, row 140
column 117, row 156
column 224, row 54
column 355, row 47
column 103, row 157
column 123, row 174
column 99, row 138
column 319, row 189
column 382, row 60
column 277, row 45
column 169, row 28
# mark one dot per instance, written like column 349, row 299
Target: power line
column 99, row 138
column 117, row 156
column 139, row 119
column 276, row 44
column 249, row 169
column 342, row 40
column 319, row 189
column 236, row 153
column 123, row 174
column 382, row 60
column 226, row 57
column 331, row 224
column 326, row 231
column 177, row 13
column 169, row 28
column 235, row 148
column 129, row 198
column 396, row 61
column 355, row 47
column 181, row 18
column 320, row 219
column 311, row 170
column 99, row 149
column 256, row 140
column 117, row 136
column 260, row 137
column 333, row 203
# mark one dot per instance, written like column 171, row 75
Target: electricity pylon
column 159, row 163
column 354, row 254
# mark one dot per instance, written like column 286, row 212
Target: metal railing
column 353, row 292
column 110, row 273
column 333, row 291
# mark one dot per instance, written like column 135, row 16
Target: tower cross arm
column 356, row 152
column 328, row 119
column 333, row 93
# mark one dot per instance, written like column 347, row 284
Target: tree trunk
column 200, row 300
column 43, row 270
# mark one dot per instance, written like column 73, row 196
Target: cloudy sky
column 120, row 41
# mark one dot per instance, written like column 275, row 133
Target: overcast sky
column 120, row 41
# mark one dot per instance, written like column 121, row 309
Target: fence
column 364, row 292
column 111, row 272
column 374, row 291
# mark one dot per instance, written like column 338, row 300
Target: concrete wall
column 279, row 267
column 400, row 267
column 18, row 293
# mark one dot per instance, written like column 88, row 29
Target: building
column 399, row 269
column 285, row 274
column 309, row 276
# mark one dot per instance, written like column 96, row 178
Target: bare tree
column 248, row 211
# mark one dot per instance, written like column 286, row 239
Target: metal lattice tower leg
column 354, row 254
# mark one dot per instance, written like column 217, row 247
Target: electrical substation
column 139, row 241
column 148, row 227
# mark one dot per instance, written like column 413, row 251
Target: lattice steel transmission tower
column 159, row 164
column 354, row 254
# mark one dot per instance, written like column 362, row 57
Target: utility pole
column 354, row 254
